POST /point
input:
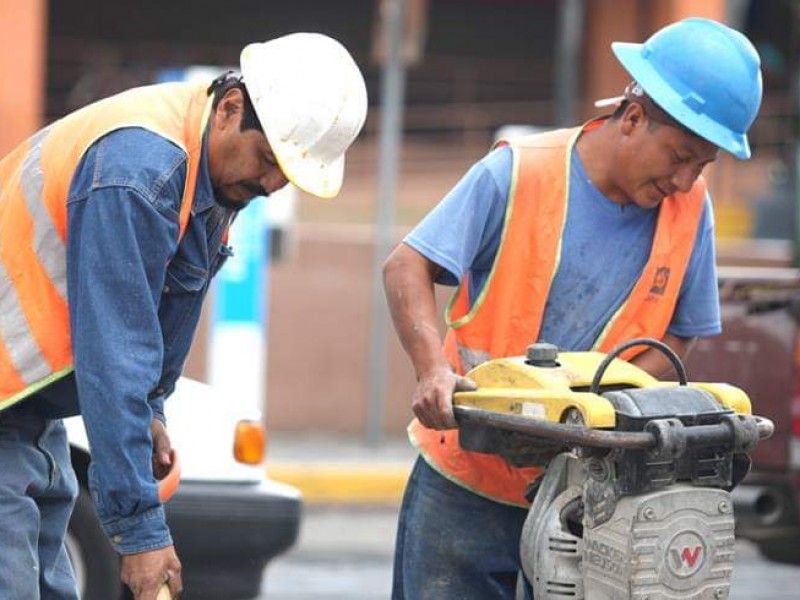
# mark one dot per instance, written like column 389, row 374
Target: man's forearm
column 656, row 363
column 408, row 282
column 409, row 279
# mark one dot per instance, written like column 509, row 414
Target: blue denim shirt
column 134, row 298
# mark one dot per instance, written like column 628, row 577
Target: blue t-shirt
column 605, row 246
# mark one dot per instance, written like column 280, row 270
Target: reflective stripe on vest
column 506, row 316
column 36, row 247
column 34, row 184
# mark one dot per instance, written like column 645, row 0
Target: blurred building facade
column 476, row 65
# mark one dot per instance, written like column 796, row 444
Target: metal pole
column 568, row 45
column 392, row 93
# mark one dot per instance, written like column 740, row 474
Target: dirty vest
column 507, row 315
column 35, row 347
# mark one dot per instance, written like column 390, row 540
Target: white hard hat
column 311, row 100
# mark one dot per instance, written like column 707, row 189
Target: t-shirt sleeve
column 462, row 232
column 697, row 311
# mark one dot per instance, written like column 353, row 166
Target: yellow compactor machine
column 635, row 500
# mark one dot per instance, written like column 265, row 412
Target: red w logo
column 690, row 557
column 686, row 556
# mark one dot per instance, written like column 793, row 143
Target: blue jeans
column 453, row 544
column 37, row 492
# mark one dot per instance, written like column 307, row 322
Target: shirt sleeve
column 122, row 231
column 697, row 311
column 462, row 232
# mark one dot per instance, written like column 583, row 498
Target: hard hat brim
column 663, row 94
column 317, row 177
column 321, row 178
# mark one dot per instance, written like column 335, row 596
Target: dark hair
column 656, row 115
column 620, row 110
column 653, row 121
column 222, row 85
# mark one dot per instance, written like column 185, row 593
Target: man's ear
column 231, row 104
column 633, row 118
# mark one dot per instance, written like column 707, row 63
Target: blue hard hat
column 704, row 74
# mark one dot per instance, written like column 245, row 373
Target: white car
column 227, row 518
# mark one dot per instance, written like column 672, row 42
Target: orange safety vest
column 507, row 315
column 35, row 347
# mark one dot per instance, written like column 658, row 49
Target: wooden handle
column 164, row 593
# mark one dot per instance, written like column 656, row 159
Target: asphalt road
column 345, row 553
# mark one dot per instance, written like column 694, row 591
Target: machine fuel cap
column 542, row 354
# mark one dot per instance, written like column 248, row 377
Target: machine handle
column 575, row 435
column 765, row 427
column 666, row 350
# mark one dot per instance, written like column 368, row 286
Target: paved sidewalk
column 341, row 469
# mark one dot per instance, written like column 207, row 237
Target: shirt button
column 159, row 390
column 117, row 538
column 166, row 289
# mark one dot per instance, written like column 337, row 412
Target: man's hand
column 432, row 401
column 162, row 449
column 146, row 572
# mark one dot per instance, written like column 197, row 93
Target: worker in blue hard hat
column 584, row 238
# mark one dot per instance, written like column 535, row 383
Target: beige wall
column 319, row 318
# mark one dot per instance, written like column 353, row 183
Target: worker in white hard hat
column 584, row 238
column 113, row 220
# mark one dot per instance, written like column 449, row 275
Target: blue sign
column 241, row 288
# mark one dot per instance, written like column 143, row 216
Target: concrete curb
column 344, row 482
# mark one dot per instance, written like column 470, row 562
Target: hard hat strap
column 221, row 79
